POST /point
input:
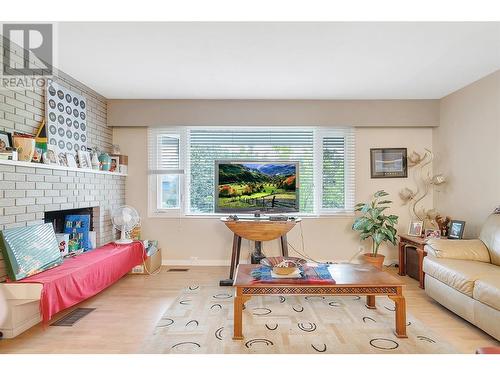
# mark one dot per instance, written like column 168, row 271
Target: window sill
column 177, row 215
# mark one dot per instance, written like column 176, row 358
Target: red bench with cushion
column 84, row 276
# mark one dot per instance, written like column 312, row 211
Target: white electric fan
column 124, row 218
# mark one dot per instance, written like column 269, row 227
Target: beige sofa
column 464, row 276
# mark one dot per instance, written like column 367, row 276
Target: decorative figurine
column 105, row 161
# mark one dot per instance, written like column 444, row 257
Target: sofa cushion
column 490, row 235
column 458, row 249
column 487, row 290
column 457, row 273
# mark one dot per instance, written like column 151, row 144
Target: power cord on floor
column 393, row 264
column 303, row 253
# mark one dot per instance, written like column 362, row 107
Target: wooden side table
column 256, row 229
column 418, row 243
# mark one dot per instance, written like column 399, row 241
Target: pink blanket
column 84, row 276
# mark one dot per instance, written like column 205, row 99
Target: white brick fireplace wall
column 27, row 191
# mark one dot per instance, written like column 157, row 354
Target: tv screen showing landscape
column 253, row 186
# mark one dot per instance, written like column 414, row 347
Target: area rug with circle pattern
column 200, row 320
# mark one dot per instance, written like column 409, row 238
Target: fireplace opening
column 82, row 236
column 57, row 218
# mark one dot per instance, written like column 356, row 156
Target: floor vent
column 73, row 317
column 178, row 269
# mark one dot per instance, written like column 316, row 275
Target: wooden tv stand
column 256, row 229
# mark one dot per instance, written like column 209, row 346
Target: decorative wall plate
column 66, row 116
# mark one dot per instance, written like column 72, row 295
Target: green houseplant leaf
column 374, row 224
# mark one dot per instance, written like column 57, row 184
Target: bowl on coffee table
column 283, row 265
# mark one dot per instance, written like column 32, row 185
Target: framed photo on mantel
column 388, row 163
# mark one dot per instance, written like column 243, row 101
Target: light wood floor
column 127, row 312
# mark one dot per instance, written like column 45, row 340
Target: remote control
column 278, row 218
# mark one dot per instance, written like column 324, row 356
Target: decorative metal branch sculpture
column 423, row 183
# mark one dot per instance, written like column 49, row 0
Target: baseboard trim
column 227, row 262
column 197, row 262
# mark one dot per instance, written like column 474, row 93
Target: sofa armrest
column 458, row 249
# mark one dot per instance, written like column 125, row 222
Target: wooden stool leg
column 236, row 238
column 238, row 252
column 370, row 302
column 284, row 245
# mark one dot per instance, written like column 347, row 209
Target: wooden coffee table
column 351, row 279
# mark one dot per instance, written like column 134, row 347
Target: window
column 169, row 193
column 326, row 169
column 208, row 145
column 165, row 170
column 337, row 165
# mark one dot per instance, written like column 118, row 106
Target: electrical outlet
column 194, row 260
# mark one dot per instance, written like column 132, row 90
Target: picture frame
column 84, row 161
column 66, row 118
column 115, row 164
column 63, row 162
column 415, row 228
column 5, row 140
column 388, row 163
column 432, row 233
column 78, row 228
column 456, row 230
column 123, row 169
column 71, row 161
column 50, row 157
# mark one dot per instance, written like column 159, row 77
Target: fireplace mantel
column 56, row 167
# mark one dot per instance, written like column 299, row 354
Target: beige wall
column 397, row 113
column 467, row 146
column 325, row 238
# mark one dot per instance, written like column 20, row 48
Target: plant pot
column 377, row 261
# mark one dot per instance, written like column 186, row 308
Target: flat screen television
column 270, row 186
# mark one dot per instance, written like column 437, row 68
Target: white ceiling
column 278, row 60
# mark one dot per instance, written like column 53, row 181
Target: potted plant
column 376, row 225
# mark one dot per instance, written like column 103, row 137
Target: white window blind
column 246, row 144
column 164, row 151
column 337, row 177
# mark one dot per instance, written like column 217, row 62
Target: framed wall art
column 66, row 118
column 115, row 164
column 432, row 233
column 5, row 140
column 71, row 161
column 456, row 229
column 415, row 228
column 84, row 160
column 388, row 163
column 62, row 159
column 78, row 227
column 50, row 156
